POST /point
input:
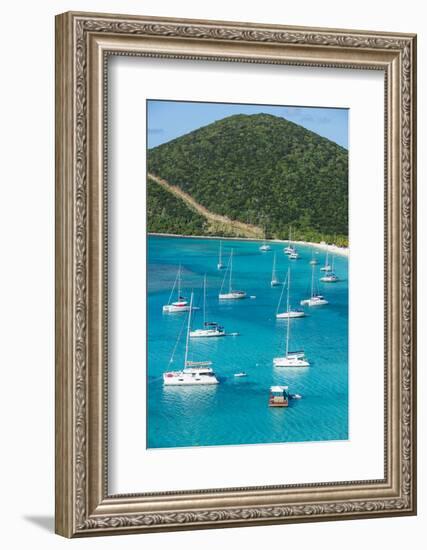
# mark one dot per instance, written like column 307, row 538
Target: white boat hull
column 290, row 315
column 290, row 361
column 276, row 283
column 329, row 279
column 170, row 308
column 326, row 268
column 220, row 266
column 311, row 302
column 183, row 379
column 265, row 248
column 206, row 333
column 232, row 295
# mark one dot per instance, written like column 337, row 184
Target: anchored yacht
column 315, row 299
column 290, row 248
column 274, row 279
column 313, row 260
column 180, row 304
column 231, row 294
column 289, row 313
column 291, row 358
column 330, row 276
column 327, row 266
column 194, row 373
column 209, row 329
column 265, row 247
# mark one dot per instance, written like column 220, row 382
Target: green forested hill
column 262, row 170
column 168, row 214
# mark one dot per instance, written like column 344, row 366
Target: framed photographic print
column 235, row 274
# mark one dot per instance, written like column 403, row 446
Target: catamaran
column 181, row 304
column 231, row 294
column 274, row 280
column 220, row 265
column 289, row 313
column 291, row 358
column 209, row 329
column 315, row 298
column 330, row 276
column 194, row 373
column 327, row 266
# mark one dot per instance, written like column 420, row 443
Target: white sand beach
column 332, row 248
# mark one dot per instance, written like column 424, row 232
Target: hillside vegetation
column 168, row 214
column 261, row 170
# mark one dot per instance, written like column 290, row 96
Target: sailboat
column 209, row 329
column 326, row 267
column 194, row 373
column 315, row 298
column 265, row 247
column 313, row 260
column 289, row 313
column 291, row 358
column 220, row 265
column 181, row 304
column 231, row 294
column 274, row 280
column 290, row 249
column 330, row 276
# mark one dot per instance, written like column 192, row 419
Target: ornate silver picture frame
column 84, row 43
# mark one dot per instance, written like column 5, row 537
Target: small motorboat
column 279, row 396
column 240, row 374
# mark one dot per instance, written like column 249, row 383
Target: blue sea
column 236, row 410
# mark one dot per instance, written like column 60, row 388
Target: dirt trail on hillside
column 216, row 221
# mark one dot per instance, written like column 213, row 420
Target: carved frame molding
column 83, row 43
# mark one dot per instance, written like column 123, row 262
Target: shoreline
column 332, row 248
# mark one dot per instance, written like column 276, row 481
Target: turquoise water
column 236, row 410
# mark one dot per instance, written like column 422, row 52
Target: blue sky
column 170, row 119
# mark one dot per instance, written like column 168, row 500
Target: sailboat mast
column 288, row 310
column 187, row 341
column 312, row 281
column 179, row 281
column 204, row 301
column 231, row 270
